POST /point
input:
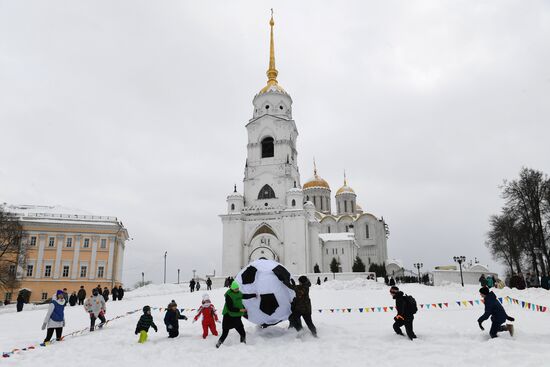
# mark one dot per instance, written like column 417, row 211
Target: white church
column 278, row 218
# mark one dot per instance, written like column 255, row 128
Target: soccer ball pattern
column 271, row 281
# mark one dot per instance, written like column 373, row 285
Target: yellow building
column 66, row 249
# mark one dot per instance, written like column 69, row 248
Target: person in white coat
column 95, row 306
column 55, row 317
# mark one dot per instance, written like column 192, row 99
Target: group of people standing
column 117, row 293
column 530, row 280
column 195, row 285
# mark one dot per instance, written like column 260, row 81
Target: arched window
column 293, row 202
column 268, row 149
column 266, row 193
column 232, row 206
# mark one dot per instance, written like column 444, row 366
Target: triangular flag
column 379, row 309
column 477, row 302
column 471, row 302
column 440, row 305
column 332, row 310
column 349, row 309
column 465, row 303
column 385, row 309
column 391, row 308
column 372, row 308
column 428, row 306
column 458, row 303
column 421, row 305
column 446, row 304
column 360, row 310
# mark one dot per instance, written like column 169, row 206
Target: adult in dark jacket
column 120, row 293
column 192, row 285
column 114, row 293
column 144, row 323
column 494, row 309
column 73, row 298
column 66, row 295
column 482, row 280
column 392, row 282
column 81, row 295
column 232, row 313
column 208, row 284
column 171, row 319
column 198, row 286
column 301, row 306
column 404, row 315
column 106, row 294
column 20, row 302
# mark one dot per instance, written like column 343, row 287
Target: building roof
column 57, row 214
column 339, row 236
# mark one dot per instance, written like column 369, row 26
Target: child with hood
column 171, row 319
column 494, row 309
column 95, row 306
column 209, row 316
column 55, row 317
column 144, row 323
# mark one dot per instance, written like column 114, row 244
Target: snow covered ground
column 447, row 336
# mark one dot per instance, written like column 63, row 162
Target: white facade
column 274, row 217
column 450, row 274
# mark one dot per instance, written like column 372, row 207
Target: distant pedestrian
column 391, row 282
column 55, row 317
column 197, row 286
column 81, row 295
column 66, row 295
column 490, row 281
column 406, row 308
column 325, row 280
column 73, row 299
column 20, row 302
column 494, row 309
column 106, row 294
column 545, row 281
column 208, row 284
column 192, row 285
column 114, row 293
column 318, row 281
column 120, row 292
column 144, row 323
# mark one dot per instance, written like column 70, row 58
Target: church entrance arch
column 264, row 245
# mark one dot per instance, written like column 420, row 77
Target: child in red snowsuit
column 209, row 316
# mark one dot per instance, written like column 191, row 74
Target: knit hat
column 303, row 279
column 394, row 289
column 146, row 309
column 205, row 297
column 172, row 304
column 484, row 291
column 95, row 292
column 234, row 285
column 59, row 291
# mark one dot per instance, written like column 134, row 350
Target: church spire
column 272, row 71
column 272, row 83
column 314, row 168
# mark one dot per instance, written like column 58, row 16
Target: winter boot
column 510, row 329
column 218, row 343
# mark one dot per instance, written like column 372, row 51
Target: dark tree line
column 12, row 251
column 519, row 235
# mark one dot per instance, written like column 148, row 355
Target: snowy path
column 447, row 337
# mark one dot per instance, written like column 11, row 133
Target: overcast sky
column 137, row 109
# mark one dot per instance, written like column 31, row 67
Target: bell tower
column 271, row 165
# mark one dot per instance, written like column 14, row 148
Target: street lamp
column 165, row 254
column 460, row 260
column 418, row 266
column 142, row 279
column 178, row 276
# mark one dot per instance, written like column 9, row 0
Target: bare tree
column 12, row 250
column 505, row 240
column 526, row 196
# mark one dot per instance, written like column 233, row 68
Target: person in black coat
column 192, row 285
column 494, row 309
column 318, row 281
column 301, row 305
column 120, row 292
column 73, row 298
column 545, row 281
column 81, row 295
column 404, row 315
column 114, row 293
column 171, row 319
column 106, row 294
column 482, row 280
column 20, row 302
column 208, row 284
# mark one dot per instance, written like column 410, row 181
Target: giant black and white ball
column 271, row 282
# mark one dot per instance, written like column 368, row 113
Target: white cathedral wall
column 296, row 252
column 232, row 245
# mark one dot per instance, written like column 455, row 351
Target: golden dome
column 316, row 180
column 345, row 189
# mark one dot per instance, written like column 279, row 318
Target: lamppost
column 460, row 260
column 142, row 279
column 418, row 266
column 194, row 271
column 165, row 254
column 178, row 276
